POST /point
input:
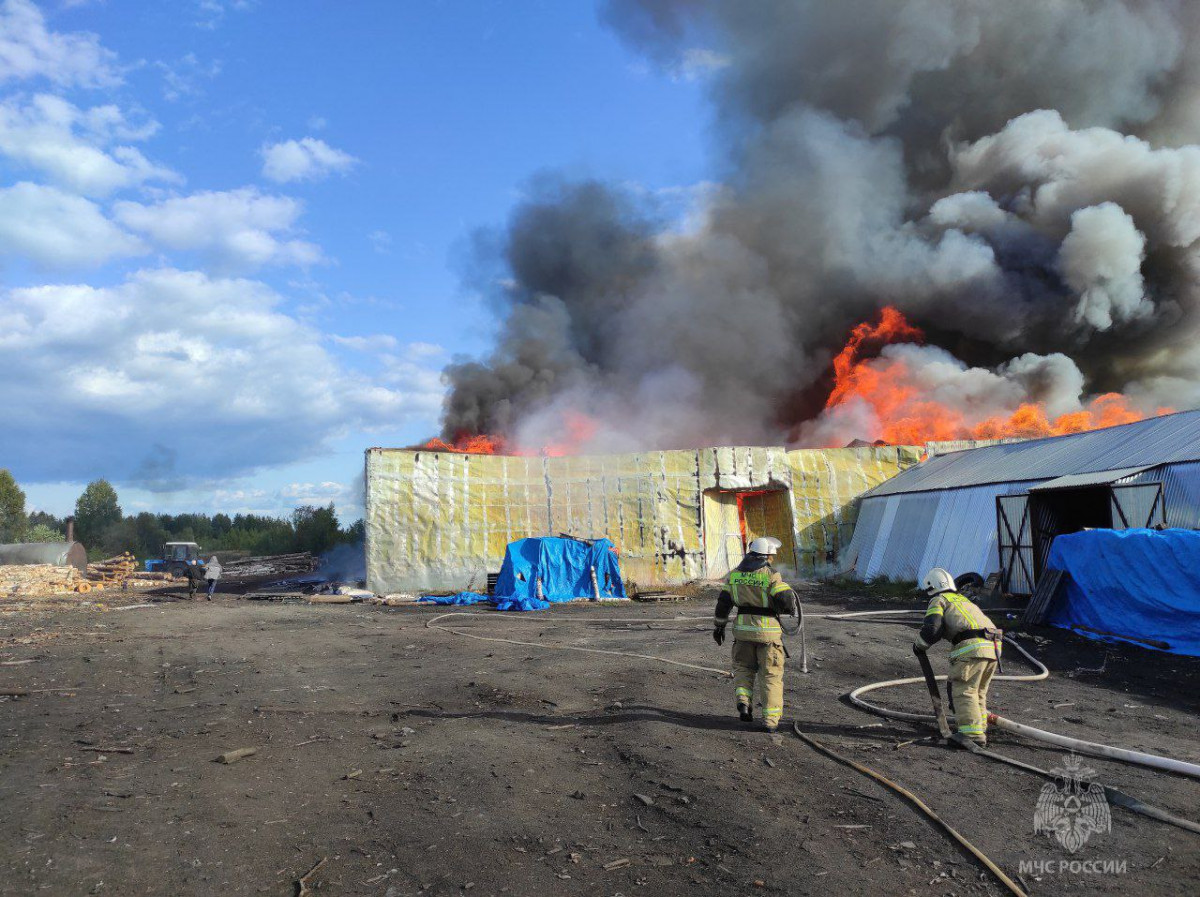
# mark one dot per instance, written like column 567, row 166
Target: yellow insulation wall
column 442, row 521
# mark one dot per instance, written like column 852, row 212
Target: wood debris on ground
column 275, row 565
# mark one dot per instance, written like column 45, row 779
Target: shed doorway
column 1071, row 504
column 735, row 518
column 1061, row 511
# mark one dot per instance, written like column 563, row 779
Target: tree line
column 106, row 530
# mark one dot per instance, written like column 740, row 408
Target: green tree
column 97, row 512
column 39, row 532
column 45, row 518
column 149, row 535
column 356, row 533
column 12, row 509
column 317, row 529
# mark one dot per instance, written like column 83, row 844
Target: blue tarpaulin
column 1135, row 584
column 460, row 598
column 565, row 568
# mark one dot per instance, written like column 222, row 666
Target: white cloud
column 315, row 493
column 54, row 229
column 174, row 377
column 81, row 149
column 308, row 159
column 235, row 229
column 376, row 342
column 29, row 50
column 212, row 12
column 182, row 78
column 426, row 350
column 381, row 241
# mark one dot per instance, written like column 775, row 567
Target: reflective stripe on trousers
column 760, row 660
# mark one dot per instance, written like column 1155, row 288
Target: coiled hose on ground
column 1075, row 744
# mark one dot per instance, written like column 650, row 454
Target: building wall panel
column 903, row 536
column 442, row 521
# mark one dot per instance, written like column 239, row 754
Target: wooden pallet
column 1043, row 596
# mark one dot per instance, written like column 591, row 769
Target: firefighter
column 760, row 595
column 974, row 652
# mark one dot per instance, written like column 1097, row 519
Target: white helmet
column 937, row 581
column 765, row 545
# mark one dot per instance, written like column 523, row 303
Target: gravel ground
column 419, row 761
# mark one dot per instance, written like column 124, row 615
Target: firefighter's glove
column 719, row 634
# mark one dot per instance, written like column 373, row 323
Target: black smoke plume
column 1020, row 179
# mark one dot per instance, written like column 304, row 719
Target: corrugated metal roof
column 1148, row 443
column 1076, row 480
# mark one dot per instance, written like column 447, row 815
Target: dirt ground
column 420, row 761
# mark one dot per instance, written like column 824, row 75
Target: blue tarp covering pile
column 1138, row 583
column 460, row 598
column 564, row 566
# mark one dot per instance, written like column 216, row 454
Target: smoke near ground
column 1019, row 179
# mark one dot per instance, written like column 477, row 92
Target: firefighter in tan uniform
column 759, row 596
column 974, row 651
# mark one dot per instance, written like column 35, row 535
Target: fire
column 851, row 376
column 577, row 431
column 909, row 417
column 467, row 444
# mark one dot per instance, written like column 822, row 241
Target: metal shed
column 998, row 508
column 61, row 554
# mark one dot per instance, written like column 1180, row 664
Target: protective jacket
column 955, row 617
column 759, row 595
column 212, row 570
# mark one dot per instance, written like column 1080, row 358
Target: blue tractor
column 176, row 558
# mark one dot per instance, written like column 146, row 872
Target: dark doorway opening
column 1060, row 511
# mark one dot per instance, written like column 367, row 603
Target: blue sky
column 231, row 230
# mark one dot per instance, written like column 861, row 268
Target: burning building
column 441, row 520
column 930, row 221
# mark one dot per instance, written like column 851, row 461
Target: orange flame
column 910, row 418
column 578, row 431
column 467, row 444
column 850, row 374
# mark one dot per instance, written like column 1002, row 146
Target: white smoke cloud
column 1101, row 260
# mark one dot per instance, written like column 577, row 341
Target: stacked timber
column 111, row 572
column 150, row 577
column 274, row 565
column 40, row 580
column 121, row 572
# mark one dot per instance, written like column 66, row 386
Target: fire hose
column 1080, row 746
column 1113, row 796
column 1075, row 744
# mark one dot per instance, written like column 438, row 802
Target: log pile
column 111, row 571
column 121, row 572
column 276, row 565
column 36, row 580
